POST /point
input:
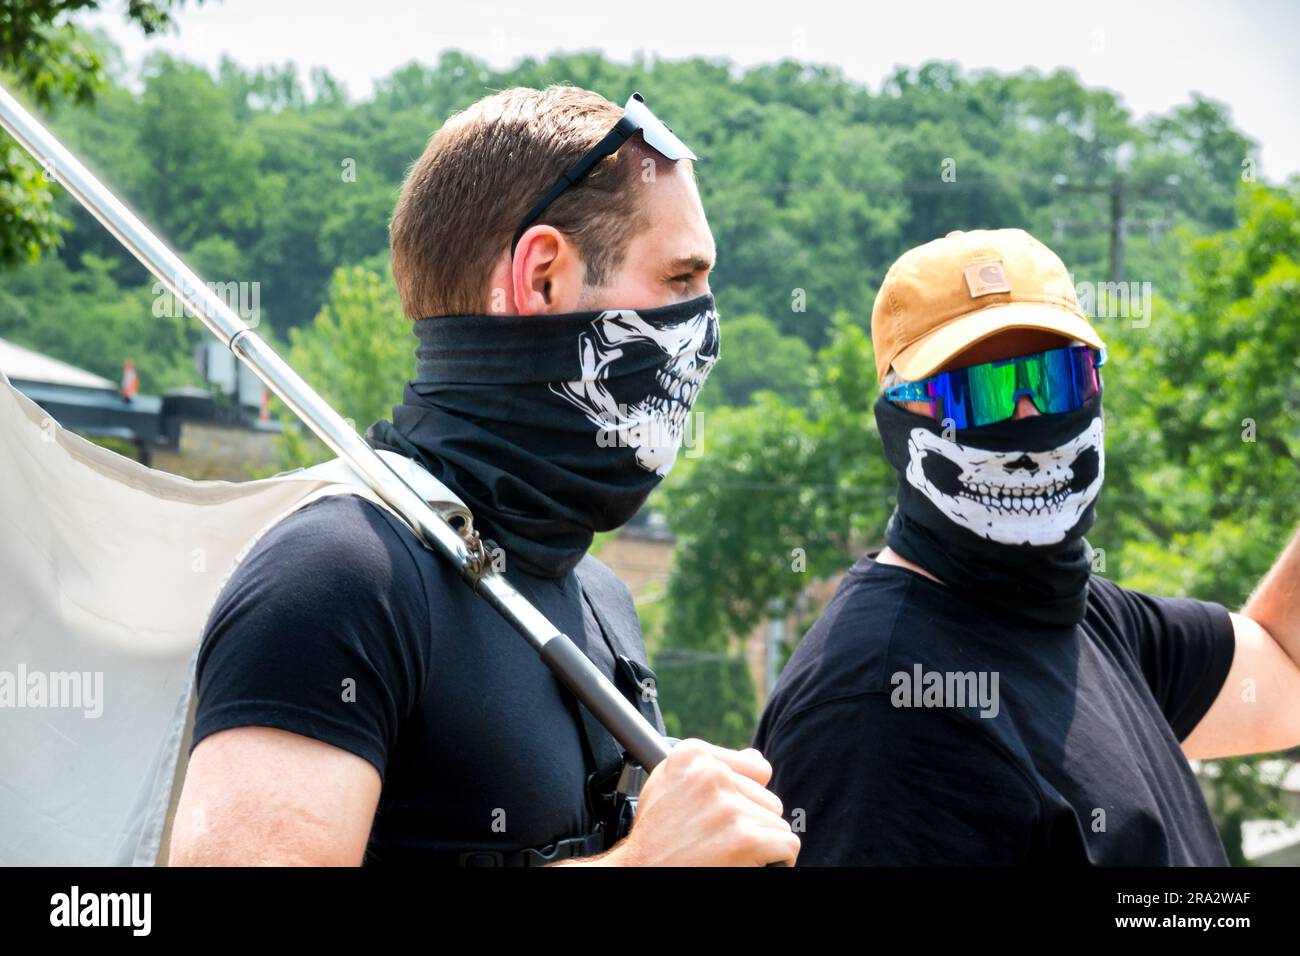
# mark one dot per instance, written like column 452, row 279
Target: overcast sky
column 1245, row 53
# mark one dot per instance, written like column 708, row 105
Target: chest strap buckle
column 587, row 845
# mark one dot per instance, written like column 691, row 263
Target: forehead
column 676, row 224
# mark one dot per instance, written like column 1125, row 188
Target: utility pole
column 1119, row 190
column 776, row 612
column 1117, row 229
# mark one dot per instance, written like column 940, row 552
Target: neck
column 888, row 555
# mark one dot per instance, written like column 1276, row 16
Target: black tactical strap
column 635, row 679
column 602, row 749
column 586, row 845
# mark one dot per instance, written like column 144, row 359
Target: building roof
column 24, row 365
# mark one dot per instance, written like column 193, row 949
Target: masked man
column 973, row 694
column 356, row 701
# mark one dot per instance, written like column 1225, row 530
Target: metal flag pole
column 561, row 655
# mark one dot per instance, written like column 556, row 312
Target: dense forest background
column 813, row 184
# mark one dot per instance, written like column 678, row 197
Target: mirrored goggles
column 1058, row 380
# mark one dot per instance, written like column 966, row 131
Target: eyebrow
column 691, row 263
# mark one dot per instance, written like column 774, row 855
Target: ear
column 547, row 274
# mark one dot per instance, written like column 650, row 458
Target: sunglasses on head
column 1058, row 380
column 636, row 118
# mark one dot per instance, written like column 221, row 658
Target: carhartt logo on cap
column 985, row 278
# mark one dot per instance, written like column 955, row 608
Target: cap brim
column 928, row 354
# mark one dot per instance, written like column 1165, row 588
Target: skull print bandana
column 552, row 428
column 999, row 512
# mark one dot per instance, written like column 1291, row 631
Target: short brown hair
column 480, row 175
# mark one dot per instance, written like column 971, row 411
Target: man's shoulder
column 862, row 616
column 1157, row 632
column 341, row 526
column 338, row 548
column 849, row 650
column 337, row 517
column 1117, row 615
column 333, row 592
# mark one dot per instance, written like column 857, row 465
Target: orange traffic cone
column 130, row 380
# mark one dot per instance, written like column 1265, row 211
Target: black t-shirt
column 1067, row 752
column 339, row 625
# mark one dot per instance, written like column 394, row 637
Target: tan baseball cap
column 941, row 298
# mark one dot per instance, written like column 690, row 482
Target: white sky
column 1245, row 53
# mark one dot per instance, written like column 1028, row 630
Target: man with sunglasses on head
column 356, row 701
column 974, row 694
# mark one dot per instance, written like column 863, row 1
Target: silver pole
column 565, row 659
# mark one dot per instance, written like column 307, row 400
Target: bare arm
column 1258, row 709
column 255, row 796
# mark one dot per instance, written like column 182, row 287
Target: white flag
column 108, row 570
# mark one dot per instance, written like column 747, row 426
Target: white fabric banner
column 108, row 570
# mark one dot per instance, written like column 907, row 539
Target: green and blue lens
column 1058, row 380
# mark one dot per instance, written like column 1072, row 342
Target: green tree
column 202, row 175
column 813, row 183
column 1207, row 409
column 83, row 316
column 707, row 695
column 45, row 55
column 758, row 357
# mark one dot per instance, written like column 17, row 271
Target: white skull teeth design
column 1032, row 498
column 653, row 419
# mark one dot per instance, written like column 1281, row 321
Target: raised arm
column 1258, row 709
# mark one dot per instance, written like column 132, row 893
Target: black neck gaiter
column 998, row 512
column 552, row 428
